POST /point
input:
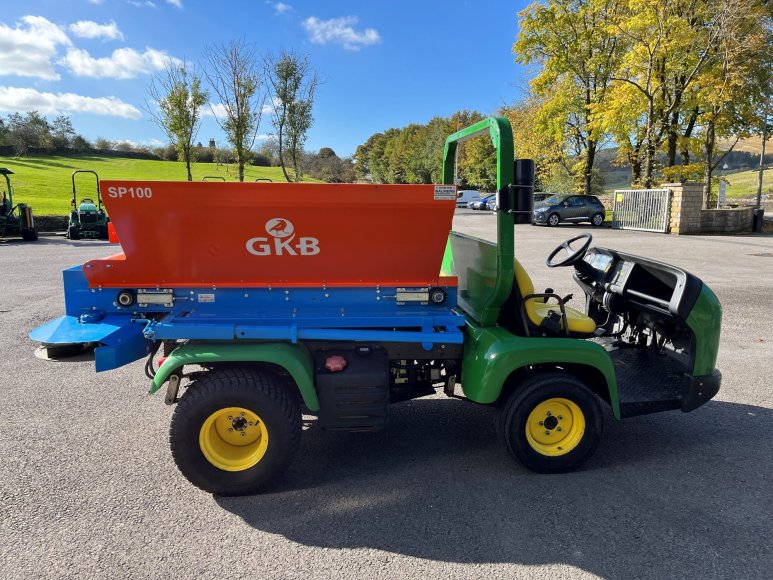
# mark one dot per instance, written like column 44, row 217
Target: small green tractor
column 15, row 220
column 88, row 219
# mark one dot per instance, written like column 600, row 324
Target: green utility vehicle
column 88, row 219
column 15, row 220
column 281, row 308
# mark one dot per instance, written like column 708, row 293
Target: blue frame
column 369, row 314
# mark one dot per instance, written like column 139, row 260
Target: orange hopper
column 193, row 234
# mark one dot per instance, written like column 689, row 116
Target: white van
column 464, row 196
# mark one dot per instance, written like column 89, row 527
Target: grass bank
column 45, row 182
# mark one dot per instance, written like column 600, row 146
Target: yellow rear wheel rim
column 555, row 427
column 233, row 439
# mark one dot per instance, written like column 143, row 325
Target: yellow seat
column 537, row 310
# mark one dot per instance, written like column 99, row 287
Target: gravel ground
column 88, row 487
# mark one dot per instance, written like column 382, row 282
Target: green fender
column 705, row 321
column 294, row 358
column 492, row 354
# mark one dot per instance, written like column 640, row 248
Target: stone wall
column 51, row 223
column 686, row 202
column 727, row 220
column 687, row 217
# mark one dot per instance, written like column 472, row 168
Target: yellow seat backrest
column 537, row 310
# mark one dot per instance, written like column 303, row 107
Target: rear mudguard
column 293, row 358
column 492, row 354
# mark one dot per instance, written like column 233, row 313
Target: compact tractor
column 88, row 219
column 15, row 220
column 287, row 304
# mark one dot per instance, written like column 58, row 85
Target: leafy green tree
column 361, row 158
column 736, row 82
column 233, row 75
column 327, row 166
column 377, row 160
column 177, row 99
column 26, row 131
column 292, row 86
column 62, row 132
column 572, row 42
column 666, row 47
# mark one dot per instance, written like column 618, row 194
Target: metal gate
column 642, row 209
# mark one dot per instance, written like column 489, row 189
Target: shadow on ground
column 59, row 241
column 38, row 163
column 663, row 494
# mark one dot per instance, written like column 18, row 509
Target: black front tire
column 553, row 399
column 30, row 235
column 257, row 391
column 553, row 220
column 73, row 233
column 597, row 220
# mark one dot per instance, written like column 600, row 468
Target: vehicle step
column 647, row 381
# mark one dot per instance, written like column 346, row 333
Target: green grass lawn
column 46, row 185
column 744, row 183
column 741, row 185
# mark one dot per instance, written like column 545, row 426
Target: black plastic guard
column 699, row 390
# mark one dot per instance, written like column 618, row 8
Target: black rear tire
column 551, row 423
column 597, row 220
column 257, row 392
column 72, row 233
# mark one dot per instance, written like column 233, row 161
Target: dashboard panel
column 645, row 284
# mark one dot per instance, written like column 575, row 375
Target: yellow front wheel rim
column 555, row 427
column 233, row 439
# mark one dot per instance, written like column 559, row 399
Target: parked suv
column 569, row 208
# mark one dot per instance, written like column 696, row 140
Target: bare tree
column 292, row 84
column 176, row 102
column 234, row 78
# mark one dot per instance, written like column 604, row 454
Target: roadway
column 88, row 487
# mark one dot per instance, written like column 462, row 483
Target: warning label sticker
column 445, row 192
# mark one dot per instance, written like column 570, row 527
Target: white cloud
column 28, row 49
column 281, row 7
column 17, row 99
column 340, row 31
column 144, row 143
column 124, row 63
column 218, row 110
column 90, row 29
column 214, row 110
column 269, row 108
column 178, row 3
column 141, row 3
column 96, row 1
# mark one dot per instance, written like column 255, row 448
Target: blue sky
column 384, row 63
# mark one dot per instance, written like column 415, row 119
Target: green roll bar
column 502, row 137
column 74, row 202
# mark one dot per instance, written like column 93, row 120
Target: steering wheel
column 574, row 255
